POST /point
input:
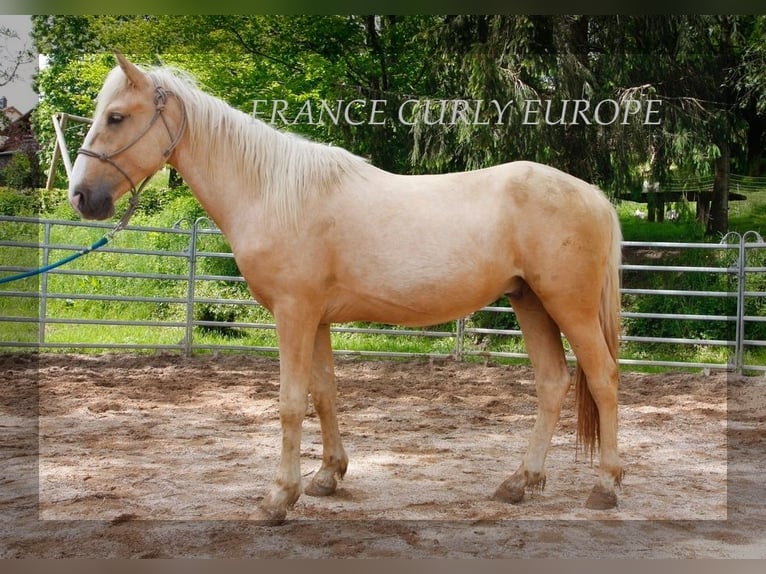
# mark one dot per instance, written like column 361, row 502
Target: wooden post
column 60, row 151
column 56, row 156
column 61, row 142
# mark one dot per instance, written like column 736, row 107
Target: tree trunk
column 718, row 222
column 655, row 205
column 703, row 209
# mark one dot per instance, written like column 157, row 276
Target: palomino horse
column 322, row 236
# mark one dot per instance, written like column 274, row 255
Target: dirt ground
column 120, row 455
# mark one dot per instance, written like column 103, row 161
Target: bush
column 22, row 172
column 157, row 199
column 18, row 203
column 177, row 205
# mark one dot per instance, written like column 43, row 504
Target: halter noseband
column 160, row 99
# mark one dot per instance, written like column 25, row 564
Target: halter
column 160, row 99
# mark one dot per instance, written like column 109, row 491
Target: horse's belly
column 410, row 314
column 414, row 303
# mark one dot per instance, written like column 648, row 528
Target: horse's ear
column 135, row 76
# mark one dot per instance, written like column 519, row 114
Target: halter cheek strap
column 160, row 99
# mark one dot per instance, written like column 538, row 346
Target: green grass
column 748, row 215
column 363, row 342
column 21, row 307
column 637, row 229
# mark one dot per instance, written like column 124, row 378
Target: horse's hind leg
column 323, row 392
column 543, row 341
column 602, row 375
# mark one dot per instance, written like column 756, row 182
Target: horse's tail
column 609, row 317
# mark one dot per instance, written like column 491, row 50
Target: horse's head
column 132, row 136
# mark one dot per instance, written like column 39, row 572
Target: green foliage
column 706, row 71
column 634, row 228
column 18, row 203
column 493, row 319
column 221, row 312
column 694, row 305
column 243, row 58
column 683, row 305
column 22, row 172
column 749, row 215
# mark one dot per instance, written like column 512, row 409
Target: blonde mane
column 283, row 169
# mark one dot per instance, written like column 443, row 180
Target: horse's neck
column 270, row 182
column 215, row 182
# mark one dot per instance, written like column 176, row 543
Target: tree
column 12, row 55
column 518, row 60
column 706, row 71
column 693, row 65
column 749, row 79
column 290, row 58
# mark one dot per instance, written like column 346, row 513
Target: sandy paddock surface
column 120, row 455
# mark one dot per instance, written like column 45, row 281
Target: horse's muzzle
column 91, row 203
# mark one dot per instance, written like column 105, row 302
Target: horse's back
column 429, row 248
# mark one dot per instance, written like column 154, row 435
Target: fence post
column 741, row 296
column 60, row 151
column 44, row 283
column 740, row 344
column 188, row 339
column 56, row 151
column 459, row 339
column 739, row 326
column 739, row 269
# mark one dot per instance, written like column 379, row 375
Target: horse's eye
column 114, row 118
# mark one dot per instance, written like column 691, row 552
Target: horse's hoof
column 601, row 499
column 316, row 488
column 269, row 516
column 509, row 492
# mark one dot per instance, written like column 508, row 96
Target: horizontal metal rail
column 676, row 268
column 678, row 316
column 678, row 293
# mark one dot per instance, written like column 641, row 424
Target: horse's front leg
column 323, row 392
column 296, row 333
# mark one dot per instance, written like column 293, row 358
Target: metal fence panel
column 180, row 297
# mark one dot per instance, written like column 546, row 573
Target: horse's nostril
column 76, row 199
column 91, row 202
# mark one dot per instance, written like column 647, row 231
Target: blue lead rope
column 100, row 243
